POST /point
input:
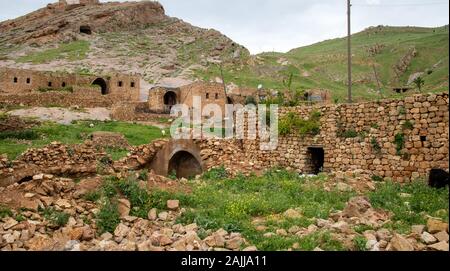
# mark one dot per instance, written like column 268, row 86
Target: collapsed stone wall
column 74, row 160
column 55, row 158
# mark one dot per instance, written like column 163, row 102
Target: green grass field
column 76, row 133
column 73, row 51
column 241, row 204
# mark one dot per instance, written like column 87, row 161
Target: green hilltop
column 383, row 58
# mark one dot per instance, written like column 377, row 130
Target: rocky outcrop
column 61, row 22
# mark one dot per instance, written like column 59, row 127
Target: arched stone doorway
column 102, row 83
column 184, row 165
column 230, row 100
column 170, row 99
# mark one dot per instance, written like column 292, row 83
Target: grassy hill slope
column 375, row 50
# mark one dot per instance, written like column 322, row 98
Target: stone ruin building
column 120, row 87
column 161, row 99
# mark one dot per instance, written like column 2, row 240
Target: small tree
column 419, row 82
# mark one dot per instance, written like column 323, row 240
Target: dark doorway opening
column 170, row 99
column 184, row 165
column 85, row 29
column 229, row 100
column 102, row 83
column 316, row 158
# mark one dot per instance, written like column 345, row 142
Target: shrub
column 5, row 212
column 360, row 243
column 413, row 210
column 348, row 133
column 21, row 135
column 215, row 174
column 56, row 218
column 108, row 217
column 399, row 142
column 291, row 121
column 375, row 145
column 92, row 196
column 250, row 100
column 407, row 125
column 377, row 178
column 402, row 110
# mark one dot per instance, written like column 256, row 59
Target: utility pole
column 349, row 6
column 223, row 81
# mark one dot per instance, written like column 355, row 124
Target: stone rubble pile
column 159, row 232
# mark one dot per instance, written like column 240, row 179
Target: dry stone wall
column 394, row 139
column 56, row 158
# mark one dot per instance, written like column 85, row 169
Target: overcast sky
column 281, row 25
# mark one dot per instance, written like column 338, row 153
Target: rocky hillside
column 134, row 37
column 383, row 58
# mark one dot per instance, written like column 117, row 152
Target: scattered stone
column 251, row 248
column 63, row 203
column 341, row 226
column 173, row 204
column 163, row 216
column 442, row 236
column 10, row 222
column 441, row 246
column 427, row 238
column 417, row 229
column 435, row 226
column 76, row 233
column 294, row 229
column 291, row 213
column 343, row 187
column 121, row 230
column 322, row 223
column 400, row 243
column 281, row 232
column 384, row 234
column 123, row 207
column 152, row 214
column 234, row 243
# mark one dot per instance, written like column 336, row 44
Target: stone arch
column 184, row 165
column 170, row 99
column 102, row 83
column 182, row 156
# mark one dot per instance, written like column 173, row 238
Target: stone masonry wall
column 425, row 143
column 120, row 87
